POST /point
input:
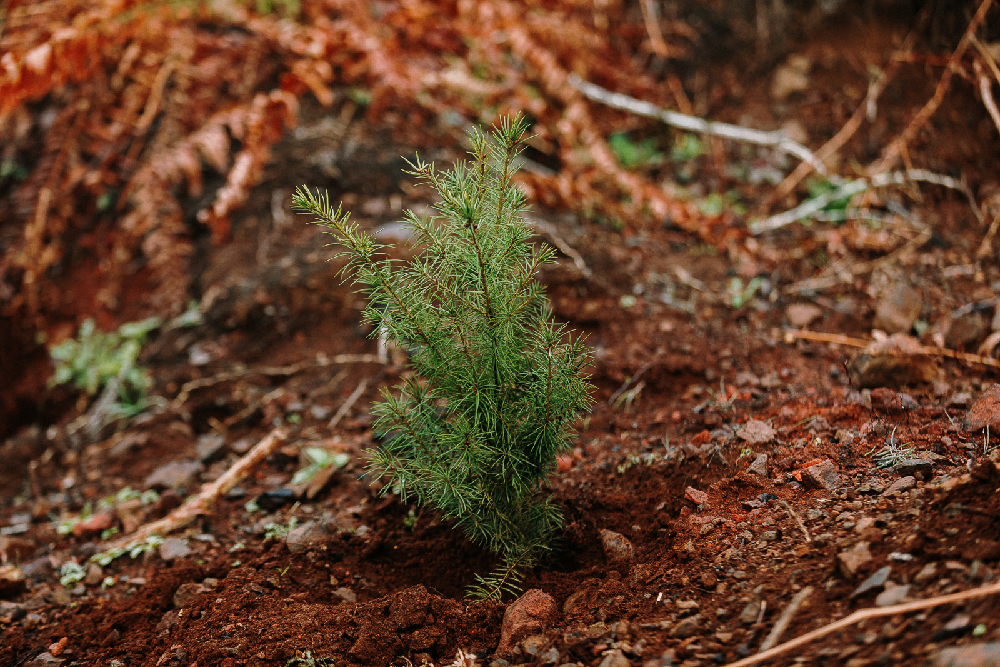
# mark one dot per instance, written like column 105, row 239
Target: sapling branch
column 496, row 386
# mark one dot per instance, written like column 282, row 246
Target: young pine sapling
column 496, row 384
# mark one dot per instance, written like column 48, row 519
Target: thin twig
column 563, row 247
column 348, row 404
column 922, row 350
column 863, row 615
column 785, row 618
column 776, row 138
column 628, row 383
column 894, row 151
column 854, row 187
column 656, row 40
column 791, row 513
column 210, row 492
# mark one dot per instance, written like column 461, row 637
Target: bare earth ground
column 719, row 551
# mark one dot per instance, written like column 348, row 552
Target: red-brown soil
column 678, row 370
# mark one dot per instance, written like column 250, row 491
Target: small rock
column 174, row 547
column 892, row 595
column 801, row 315
column 617, row 548
column 901, row 485
column 771, row 535
column 187, row 592
column 914, row 466
column 897, row 308
column 750, row 612
column 822, row 475
column 95, row 575
column 791, row 77
column 38, row 568
column 695, row 496
column 614, row 658
column 16, row 549
column 272, row 500
column 965, row 331
column 759, row 465
column 526, row 615
column 956, row 625
column 11, row 611
column 44, row 660
column 210, row 448
column 12, row 580
column 534, row 644
column 686, row 627
column 864, row 523
column 972, row 655
column 896, row 361
column 95, row 524
column 756, row 432
column 174, row 475
column 346, row 594
column 875, row 581
column 549, row 657
column 928, row 572
column 306, row 536
column 853, row 559
column 985, row 412
column 709, row 580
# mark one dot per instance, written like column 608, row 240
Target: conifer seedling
column 496, row 384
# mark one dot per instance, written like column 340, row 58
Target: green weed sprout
column 95, row 358
column 496, row 385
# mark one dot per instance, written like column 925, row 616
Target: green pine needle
column 496, row 384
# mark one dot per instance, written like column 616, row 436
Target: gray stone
column 687, row 627
column 750, row 612
column 11, row 611
column 174, row 475
column 346, row 594
column 973, row 655
column 756, row 432
column 534, row 644
column 873, row 582
column 306, row 536
column 927, row 572
column 174, row 548
column 210, row 447
column 892, row 595
column 44, row 660
column 95, row 575
column 617, row 548
column 901, row 485
column 801, row 315
column 822, row 475
column 759, row 465
column 614, row 658
column 853, row 559
column 897, row 308
column 913, row 466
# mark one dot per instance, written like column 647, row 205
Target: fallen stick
column 923, row 349
column 348, row 404
column 210, row 492
column 785, row 618
column 791, row 513
column 776, row 138
column 864, row 615
column 854, row 187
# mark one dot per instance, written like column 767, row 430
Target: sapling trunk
column 496, row 384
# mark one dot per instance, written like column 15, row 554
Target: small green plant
column 319, row 458
column 687, row 147
column 134, row 550
column 631, row 154
column 307, row 660
column 71, row 573
column 497, row 386
column 277, row 531
column 94, row 359
column 893, row 452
